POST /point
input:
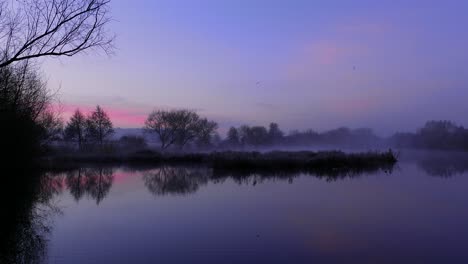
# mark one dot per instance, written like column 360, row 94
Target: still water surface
column 417, row 213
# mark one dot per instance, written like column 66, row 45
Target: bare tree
column 51, row 126
column 163, row 124
column 26, row 110
column 233, row 137
column 23, row 91
column 205, row 132
column 99, row 126
column 178, row 126
column 188, row 127
column 37, row 28
column 76, row 128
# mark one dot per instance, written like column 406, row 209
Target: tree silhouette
column 99, row 126
column 25, row 108
column 37, row 28
column 76, row 128
column 233, row 137
column 179, row 127
column 205, row 132
column 275, row 134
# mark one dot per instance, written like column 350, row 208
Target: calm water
column 417, row 213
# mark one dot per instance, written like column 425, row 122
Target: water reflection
column 444, row 166
column 176, row 180
column 94, row 182
column 31, row 203
column 27, row 210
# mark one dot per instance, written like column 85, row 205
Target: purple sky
column 390, row 65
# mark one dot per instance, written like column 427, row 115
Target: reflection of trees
column 95, row 182
column 444, row 166
column 175, row 180
column 25, row 217
column 254, row 176
column 28, row 208
column 183, row 180
column 76, row 181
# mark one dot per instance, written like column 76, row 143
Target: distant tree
column 258, row 136
column 275, row 134
column 216, row 139
column 99, row 126
column 133, row 142
column 188, row 127
column 244, row 135
column 233, row 137
column 206, row 130
column 340, row 136
column 38, row 28
column 178, row 127
column 76, row 128
column 253, row 136
column 304, row 138
column 164, row 124
column 51, row 126
column 441, row 135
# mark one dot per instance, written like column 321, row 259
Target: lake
column 415, row 213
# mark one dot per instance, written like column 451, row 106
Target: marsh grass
column 246, row 162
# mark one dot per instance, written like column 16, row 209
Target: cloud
column 346, row 44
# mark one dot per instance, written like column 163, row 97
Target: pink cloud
column 346, row 43
column 325, row 52
column 352, row 106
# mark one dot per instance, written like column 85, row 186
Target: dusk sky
column 390, row 65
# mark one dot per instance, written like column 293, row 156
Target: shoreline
column 247, row 162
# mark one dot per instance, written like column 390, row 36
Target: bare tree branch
column 38, row 28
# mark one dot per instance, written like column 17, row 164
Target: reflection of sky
column 406, row 217
column 304, row 64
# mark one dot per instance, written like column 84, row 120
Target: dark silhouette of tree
column 253, row 136
column 25, row 107
column 51, row 126
column 244, row 135
column 275, row 134
column 206, row 132
column 233, row 137
column 258, row 136
column 188, row 127
column 164, row 125
column 132, row 142
column 440, row 135
column 99, row 126
column 76, row 128
column 178, row 127
column 37, row 28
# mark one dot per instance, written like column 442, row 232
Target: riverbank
column 275, row 161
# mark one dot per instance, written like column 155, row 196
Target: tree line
column 95, row 128
column 171, row 127
column 442, row 135
column 436, row 135
column 259, row 136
